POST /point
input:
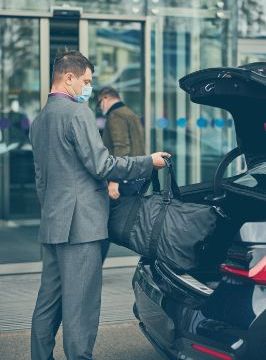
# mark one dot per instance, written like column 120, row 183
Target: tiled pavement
column 118, row 339
column 18, row 294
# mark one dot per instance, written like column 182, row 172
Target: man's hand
column 113, row 190
column 158, row 159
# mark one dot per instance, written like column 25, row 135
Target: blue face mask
column 85, row 94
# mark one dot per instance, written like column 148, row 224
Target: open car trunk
column 242, row 92
column 208, row 272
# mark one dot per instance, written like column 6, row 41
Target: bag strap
column 156, row 230
column 171, row 186
column 219, row 173
column 133, row 211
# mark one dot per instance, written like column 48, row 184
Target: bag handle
column 171, row 185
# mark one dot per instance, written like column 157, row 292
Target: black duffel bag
column 161, row 226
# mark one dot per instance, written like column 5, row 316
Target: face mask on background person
column 85, row 94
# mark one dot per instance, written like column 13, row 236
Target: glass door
column 116, row 48
column 197, row 136
column 64, row 35
column 27, row 51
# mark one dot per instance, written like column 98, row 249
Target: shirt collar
column 62, row 95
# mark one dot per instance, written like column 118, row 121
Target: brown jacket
column 123, row 134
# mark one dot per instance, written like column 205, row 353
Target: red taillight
column 211, row 352
column 257, row 273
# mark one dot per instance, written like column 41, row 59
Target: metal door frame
column 145, row 22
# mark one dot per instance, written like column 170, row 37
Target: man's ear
column 68, row 77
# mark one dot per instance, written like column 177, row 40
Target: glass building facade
column 140, row 47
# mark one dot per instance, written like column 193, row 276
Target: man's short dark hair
column 108, row 91
column 71, row 61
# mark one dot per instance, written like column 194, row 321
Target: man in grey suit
column 72, row 165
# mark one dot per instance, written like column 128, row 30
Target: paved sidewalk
column 18, row 295
column 119, row 337
column 114, row 342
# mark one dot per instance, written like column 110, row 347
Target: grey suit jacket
column 71, row 166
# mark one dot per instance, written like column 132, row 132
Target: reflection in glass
column 196, row 136
column 252, row 18
column 64, row 35
column 19, row 104
column 116, row 49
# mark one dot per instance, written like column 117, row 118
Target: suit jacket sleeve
column 40, row 183
column 120, row 135
column 95, row 156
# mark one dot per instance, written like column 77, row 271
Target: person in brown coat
column 123, row 135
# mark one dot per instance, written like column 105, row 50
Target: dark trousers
column 70, row 293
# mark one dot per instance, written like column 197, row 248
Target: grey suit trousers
column 70, row 292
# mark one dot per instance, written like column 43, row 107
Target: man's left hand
column 113, row 190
